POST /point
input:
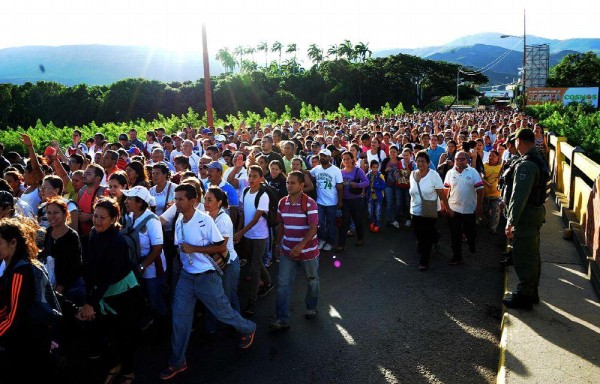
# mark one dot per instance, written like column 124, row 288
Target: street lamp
column 524, row 58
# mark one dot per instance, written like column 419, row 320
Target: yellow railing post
column 558, row 164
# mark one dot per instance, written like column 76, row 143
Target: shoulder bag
column 428, row 207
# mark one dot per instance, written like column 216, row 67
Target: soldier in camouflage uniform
column 505, row 184
column 525, row 217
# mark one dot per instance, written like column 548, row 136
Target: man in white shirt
column 255, row 230
column 198, row 237
column 465, row 196
column 188, row 148
column 329, row 197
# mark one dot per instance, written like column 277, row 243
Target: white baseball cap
column 142, row 193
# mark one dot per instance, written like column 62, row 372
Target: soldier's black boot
column 517, row 301
column 535, row 298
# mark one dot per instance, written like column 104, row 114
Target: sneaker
column 375, row 229
column 265, row 289
column 327, row 247
column 350, row 233
column 250, row 310
column 408, row 224
column 371, row 226
column 396, row 224
column 170, row 372
column 310, row 314
column 278, row 324
column 247, row 340
column 321, row 244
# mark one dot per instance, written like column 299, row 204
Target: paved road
column 380, row 321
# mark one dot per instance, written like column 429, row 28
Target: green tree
column 315, row 54
column 361, row 50
column 248, row 66
column 576, row 70
column 263, row 47
column 226, row 59
column 292, row 48
column 346, row 49
column 6, row 104
column 250, row 51
column 239, row 52
column 277, row 47
column 333, row 51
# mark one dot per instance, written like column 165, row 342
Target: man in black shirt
column 267, row 147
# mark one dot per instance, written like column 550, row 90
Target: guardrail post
column 558, row 165
column 574, row 173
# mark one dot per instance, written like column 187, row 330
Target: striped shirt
column 296, row 223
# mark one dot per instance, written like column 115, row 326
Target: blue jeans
column 208, row 288
column 398, row 198
column 327, row 227
column 392, row 203
column 287, row 274
column 375, row 212
column 156, row 291
column 231, row 277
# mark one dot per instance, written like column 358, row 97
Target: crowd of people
column 131, row 234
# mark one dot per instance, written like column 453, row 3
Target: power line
column 491, row 64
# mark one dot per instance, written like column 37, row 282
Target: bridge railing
column 576, row 181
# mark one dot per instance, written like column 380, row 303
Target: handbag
column 356, row 191
column 221, row 259
column 428, row 207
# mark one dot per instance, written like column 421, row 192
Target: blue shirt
column 232, row 196
column 434, row 156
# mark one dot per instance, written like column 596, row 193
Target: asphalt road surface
column 380, row 321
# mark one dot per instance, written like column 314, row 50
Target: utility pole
column 207, row 90
column 457, row 80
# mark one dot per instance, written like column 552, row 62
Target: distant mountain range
column 103, row 64
column 99, row 64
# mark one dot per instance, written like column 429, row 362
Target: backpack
column 271, row 216
column 132, row 238
column 540, row 191
column 45, row 309
column 303, row 203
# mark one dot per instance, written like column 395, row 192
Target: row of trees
column 404, row 79
column 238, row 57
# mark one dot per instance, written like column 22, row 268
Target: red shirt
column 296, row 222
column 86, row 204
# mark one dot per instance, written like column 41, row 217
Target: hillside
column 500, row 71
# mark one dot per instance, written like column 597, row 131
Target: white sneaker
column 327, row 247
column 396, row 224
column 408, row 223
column 321, row 244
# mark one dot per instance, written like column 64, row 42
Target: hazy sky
column 382, row 24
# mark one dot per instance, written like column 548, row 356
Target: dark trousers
column 426, row 236
column 352, row 210
column 123, row 328
column 459, row 224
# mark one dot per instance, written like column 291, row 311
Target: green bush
column 42, row 135
column 579, row 123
